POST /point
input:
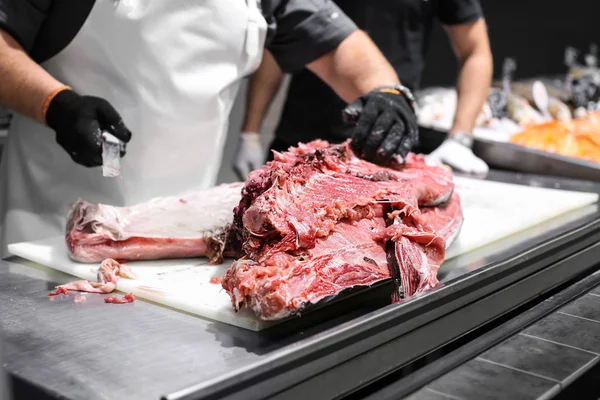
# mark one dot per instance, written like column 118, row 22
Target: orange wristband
column 394, row 91
column 51, row 97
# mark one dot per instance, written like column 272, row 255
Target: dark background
column 533, row 32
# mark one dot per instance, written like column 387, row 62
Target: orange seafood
column 578, row 138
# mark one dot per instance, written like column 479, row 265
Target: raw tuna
column 128, row 298
column 319, row 220
column 192, row 225
column 108, row 275
column 59, row 290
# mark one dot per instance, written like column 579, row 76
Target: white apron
column 172, row 69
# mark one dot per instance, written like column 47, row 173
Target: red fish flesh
column 318, row 220
column 128, row 298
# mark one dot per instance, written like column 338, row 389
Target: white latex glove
column 250, row 155
column 460, row 157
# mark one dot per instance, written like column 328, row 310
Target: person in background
column 161, row 76
column 401, row 29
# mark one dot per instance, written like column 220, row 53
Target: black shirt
column 401, row 29
column 300, row 31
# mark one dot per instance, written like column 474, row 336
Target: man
column 161, row 76
column 401, row 29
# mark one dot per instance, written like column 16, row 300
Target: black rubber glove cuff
column 404, row 91
column 64, row 100
column 351, row 113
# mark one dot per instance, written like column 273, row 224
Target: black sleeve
column 455, row 12
column 22, row 19
column 306, row 30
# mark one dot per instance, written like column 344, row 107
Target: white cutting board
column 492, row 211
column 495, row 210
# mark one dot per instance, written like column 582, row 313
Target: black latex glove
column 386, row 126
column 79, row 122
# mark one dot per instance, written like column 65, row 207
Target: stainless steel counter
column 92, row 350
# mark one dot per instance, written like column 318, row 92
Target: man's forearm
column 24, row 85
column 472, row 48
column 262, row 87
column 473, row 85
column 355, row 67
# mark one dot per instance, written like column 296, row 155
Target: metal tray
column 524, row 159
column 512, row 157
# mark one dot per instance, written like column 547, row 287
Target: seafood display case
column 148, row 351
column 547, row 125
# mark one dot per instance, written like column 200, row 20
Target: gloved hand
column 250, row 155
column 460, row 157
column 79, row 122
column 386, row 125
